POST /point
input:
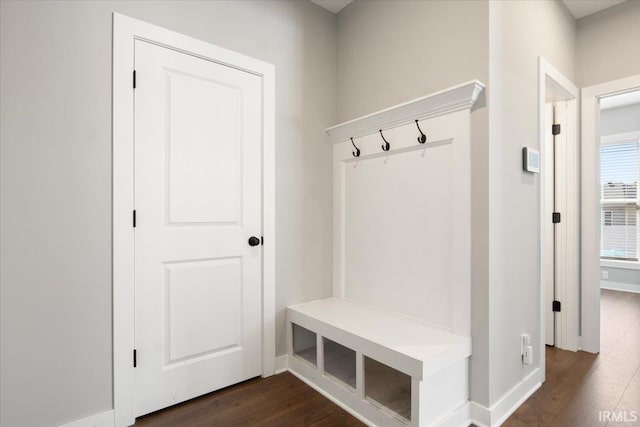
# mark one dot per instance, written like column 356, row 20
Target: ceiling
column 621, row 100
column 334, row 6
column 579, row 8
column 582, row 8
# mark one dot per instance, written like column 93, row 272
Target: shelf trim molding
column 469, row 95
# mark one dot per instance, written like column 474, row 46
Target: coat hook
column 422, row 138
column 386, row 145
column 357, row 152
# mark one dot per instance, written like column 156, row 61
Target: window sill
column 627, row 265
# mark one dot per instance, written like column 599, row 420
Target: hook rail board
column 392, row 345
column 467, row 96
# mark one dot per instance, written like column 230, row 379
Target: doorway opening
column 619, row 143
column 610, row 271
column 559, row 190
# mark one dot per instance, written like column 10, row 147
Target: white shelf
column 456, row 98
column 413, row 347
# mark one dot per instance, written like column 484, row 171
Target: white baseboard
column 507, row 405
column 459, row 417
column 479, row 415
column 282, row 364
column 469, row 412
column 618, row 286
column 103, row 419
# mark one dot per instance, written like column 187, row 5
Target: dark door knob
column 254, row 241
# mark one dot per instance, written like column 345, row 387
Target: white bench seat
column 415, row 348
column 434, row 390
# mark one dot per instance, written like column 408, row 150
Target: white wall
column 625, row 279
column 520, row 32
column 393, row 51
column 56, row 181
column 607, row 44
column 620, row 120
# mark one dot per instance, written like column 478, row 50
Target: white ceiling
column 579, row 8
column 334, row 6
column 582, row 8
column 621, row 100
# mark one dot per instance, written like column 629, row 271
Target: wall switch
column 527, row 357
column 605, row 275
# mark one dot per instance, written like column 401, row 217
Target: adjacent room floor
column 578, row 385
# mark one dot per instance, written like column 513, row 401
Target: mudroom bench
column 387, row 369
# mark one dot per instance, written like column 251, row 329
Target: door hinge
column 556, row 306
column 134, row 79
column 134, row 218
column 555, row 129
column 555, row 218
column 135, row 358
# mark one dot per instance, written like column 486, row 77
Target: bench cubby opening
column 305, row 344
column 388, row 389
column 340, row 363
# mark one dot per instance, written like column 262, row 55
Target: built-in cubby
column 392, row 345
column 340, row 363
column 384, row 367
column 388, row 389
column 305, row 344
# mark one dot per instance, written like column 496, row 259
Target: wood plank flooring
column 280, row 400
column 578, row 385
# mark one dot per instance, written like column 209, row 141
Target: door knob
column 254, row 241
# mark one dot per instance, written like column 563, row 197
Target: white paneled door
column 198, row 204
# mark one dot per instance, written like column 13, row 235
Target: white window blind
column 619, row 169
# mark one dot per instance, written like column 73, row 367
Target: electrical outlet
column 527, row 357
column 605, row 275
column 525, row 340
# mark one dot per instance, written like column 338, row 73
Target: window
column 619, row 170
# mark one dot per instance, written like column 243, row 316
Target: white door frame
column 567, row 331
column 125, row 31
column 591, row 204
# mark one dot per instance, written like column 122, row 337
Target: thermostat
column 530, row 160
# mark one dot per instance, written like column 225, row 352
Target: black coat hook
column 357, row 152
column 386, row 145
column 422, row 138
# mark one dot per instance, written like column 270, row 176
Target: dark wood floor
column 577, row 386
column 280, row 400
